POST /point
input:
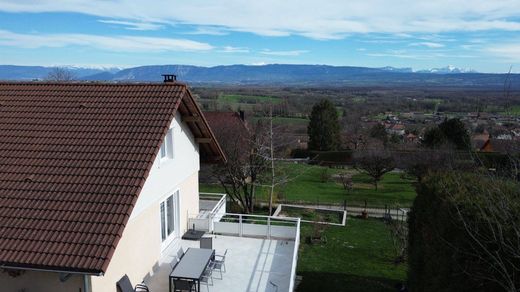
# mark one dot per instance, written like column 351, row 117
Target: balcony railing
column 257, row 226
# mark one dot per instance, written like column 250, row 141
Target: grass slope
column 358, row 257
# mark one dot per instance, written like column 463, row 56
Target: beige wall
column 189, row 199
column 139, row 249
column 32, row 281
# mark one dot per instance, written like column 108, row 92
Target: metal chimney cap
column 169, row 78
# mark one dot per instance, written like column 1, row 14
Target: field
column 249, row 99
column 362, row 254
column 513, row 111
column 305, row 186
column 287, row 121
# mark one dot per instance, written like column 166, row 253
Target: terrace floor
column 251, row 265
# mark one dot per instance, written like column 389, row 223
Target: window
column 167, row 146
column 169, row 216
column 167, row 221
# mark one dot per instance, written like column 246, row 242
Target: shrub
column 463, row 234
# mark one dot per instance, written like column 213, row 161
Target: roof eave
column 52, row 269
column 218, row 155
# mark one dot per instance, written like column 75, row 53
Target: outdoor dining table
column 192, row 265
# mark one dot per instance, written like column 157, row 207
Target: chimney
column 242, row 116
column 169, row 78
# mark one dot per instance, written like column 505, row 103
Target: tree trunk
column 272, row 161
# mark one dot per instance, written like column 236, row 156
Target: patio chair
column 183, row 285
column 206, row 243
column 180, row 253
column 219, row 263
column 124, row 285
column 207, row 277
column 174, row 263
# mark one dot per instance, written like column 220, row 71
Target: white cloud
column 207, row 31
column 430, row 45
column 230, row 49
column 508, row 52
column 110, row 43
column 131, row 25
column 283, row 53
column 418, row 55
column 334, row 18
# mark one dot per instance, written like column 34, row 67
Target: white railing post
column 268, row 227
column 240, row 225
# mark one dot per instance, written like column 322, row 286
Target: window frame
column 166, row 150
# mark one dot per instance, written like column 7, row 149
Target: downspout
column 87, row 286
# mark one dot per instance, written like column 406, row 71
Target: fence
column 342, row 213
column 205, row 219
column 257, row 226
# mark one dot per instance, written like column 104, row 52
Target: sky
column 483, row 35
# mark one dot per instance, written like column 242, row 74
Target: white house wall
column 139, row 249
column 167, row 175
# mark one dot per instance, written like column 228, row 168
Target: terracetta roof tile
column 73, row 160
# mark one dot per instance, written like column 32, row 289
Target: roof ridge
column 92, row 83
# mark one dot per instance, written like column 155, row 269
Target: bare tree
column 399, row 236
column 245, row 162
column 346, row 181
column 374, row 164
column 60, row 74
column 490, row 221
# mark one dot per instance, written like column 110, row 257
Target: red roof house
column 78, row 161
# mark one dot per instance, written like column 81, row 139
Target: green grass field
column 357, row 257
column 249, row 99
column 277, row 121
column 514, row 111
column 305, row 186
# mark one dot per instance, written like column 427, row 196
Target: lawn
column 287, row 121
column 357, row 257
column 305, row 186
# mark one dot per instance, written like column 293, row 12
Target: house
column 507, row 147
column 412, row 138
column 232, row 131
column 395, row 129
column 96, row 180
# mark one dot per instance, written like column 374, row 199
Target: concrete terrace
column 252, row 264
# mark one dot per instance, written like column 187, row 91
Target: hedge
column 442, row 255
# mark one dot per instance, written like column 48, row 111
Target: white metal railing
column 295, row 257
column 205, row 218
column 257, row 226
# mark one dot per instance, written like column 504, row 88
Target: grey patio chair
column 174, row 263
column 124, row 285
column 183, row 285
column 207, row 277
column 180, row 253
column 219, row 263
column 206, row 243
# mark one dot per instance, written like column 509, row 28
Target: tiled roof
column 229, row 120
column 73, row 160
column 231, row 132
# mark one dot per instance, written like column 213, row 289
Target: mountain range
column 277, row 74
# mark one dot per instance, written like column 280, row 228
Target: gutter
column 52, row 271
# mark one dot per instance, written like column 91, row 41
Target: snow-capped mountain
column 447, row 70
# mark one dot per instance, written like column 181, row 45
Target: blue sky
column 483, row 35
